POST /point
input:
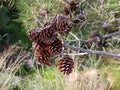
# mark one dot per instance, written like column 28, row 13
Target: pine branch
column 112, row 34
column 90, row 40
column 92, row 51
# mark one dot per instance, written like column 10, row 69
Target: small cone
column 66, row 10
column 62, row 23
column 72, row 5
column 96, row 38
column 66, row 65
column 42, row 13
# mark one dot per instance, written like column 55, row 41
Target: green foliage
column 46, row 79
column 114, row 5
column 12, row 31
column 10, row 3
column 28, row 11
column 4, row 17
column 111, row 69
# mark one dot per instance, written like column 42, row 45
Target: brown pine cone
column 72, row 5
column 42, row 57
column 43, row 12
column 66, row 65
column 96, row 38
column 34, row 35
column 56, row 47
column 62, row 24
column 66, row 10
column 39, row 46
column 48, row 35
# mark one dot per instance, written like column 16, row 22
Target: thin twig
column 90, row 40
column 75, row 54
column 112, row 34
column 93, row 51
column 74, row 36
column 80, row 40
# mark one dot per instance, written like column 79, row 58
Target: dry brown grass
column 10, row 61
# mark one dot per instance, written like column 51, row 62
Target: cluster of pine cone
column 46, row 43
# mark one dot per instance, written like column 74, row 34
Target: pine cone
column 48, row 35
column 66, row 65
column 66, row 10
column 34, row 35
column 39, row 46
column 43, row 12
column 62, row 23
column 72, row 5
column 56, row 47
column 96, row 38
column 42, row 57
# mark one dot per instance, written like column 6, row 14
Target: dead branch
column 90, row 40
column 93, row 51
column 112, row 34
